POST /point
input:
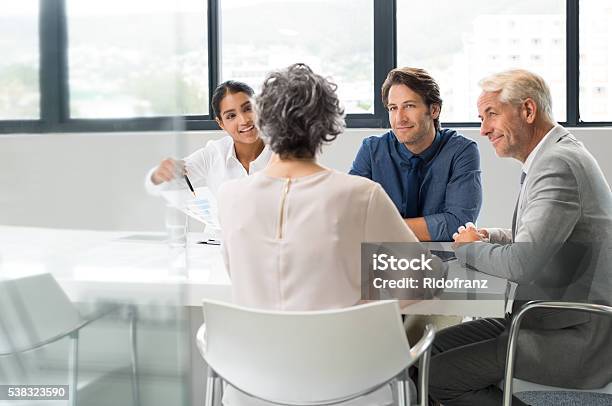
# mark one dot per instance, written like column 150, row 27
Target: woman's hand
column 167, row 170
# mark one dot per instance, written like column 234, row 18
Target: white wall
column 96, row 180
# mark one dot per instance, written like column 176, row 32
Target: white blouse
column 211, row 166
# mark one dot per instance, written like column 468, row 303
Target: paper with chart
column 202, row 207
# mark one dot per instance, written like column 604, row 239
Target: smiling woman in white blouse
column 236, row 155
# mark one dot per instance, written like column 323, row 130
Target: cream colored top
column 295, row 244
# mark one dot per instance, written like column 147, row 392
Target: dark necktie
column 414, row 184
column 523, row 174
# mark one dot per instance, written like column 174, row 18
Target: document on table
column 202, row 207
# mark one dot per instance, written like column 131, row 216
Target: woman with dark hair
column 236, row 155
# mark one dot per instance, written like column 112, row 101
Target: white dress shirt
column 528, row 162
column 211, row 166
column 502, row 236
column 534, row 152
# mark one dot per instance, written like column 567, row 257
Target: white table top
column 108, row 265
column 137, row 268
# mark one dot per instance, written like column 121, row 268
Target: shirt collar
column 264, row 155
column 427, row 155
column 534, row 152
column 231, row 154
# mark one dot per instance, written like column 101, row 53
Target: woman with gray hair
column 292, row 233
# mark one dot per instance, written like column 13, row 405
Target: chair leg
column 423, row 391
column 210, row 398
column 73, row 368
column 219, row 388
column 403, row 389
column 134, row 358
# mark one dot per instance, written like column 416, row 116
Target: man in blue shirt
column 431, row 174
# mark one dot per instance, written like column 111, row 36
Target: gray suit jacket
column 562, row 251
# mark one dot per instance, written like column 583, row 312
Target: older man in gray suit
column 559, row 248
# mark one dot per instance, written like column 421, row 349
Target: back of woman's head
column 297, row 111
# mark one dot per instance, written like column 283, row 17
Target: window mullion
column 573, row 60
column 53, row 63
column 385, row 51
column 214, row 48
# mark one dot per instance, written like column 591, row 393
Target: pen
column 189, row 184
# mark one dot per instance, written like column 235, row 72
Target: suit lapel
column 557, row 134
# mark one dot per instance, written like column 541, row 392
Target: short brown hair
column 419, row 81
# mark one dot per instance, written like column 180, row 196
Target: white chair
column 310, row 358
column 35, row 312
column 525, row 386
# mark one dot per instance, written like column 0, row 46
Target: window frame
column 54, row 91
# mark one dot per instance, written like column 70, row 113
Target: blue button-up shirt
column 450, row 191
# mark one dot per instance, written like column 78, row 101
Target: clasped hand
column 469, row 233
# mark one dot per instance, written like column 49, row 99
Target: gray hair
column 517, row 85
column 297, row 111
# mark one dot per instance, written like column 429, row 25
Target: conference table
column 166, row 284
column 142, row 268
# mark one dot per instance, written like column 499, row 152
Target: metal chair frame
column 514, row 331
column 73, row 361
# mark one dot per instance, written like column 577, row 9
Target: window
column 453, row 42
column 137, row 58
column 19, row 65
column 336, row 38
column 137, row 65
column 595, row 60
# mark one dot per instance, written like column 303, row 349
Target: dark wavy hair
column 227, row 87
column 298, row 111
column 419, row 81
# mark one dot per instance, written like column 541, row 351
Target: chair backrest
column 306, row 357
column 33, row 309
column 515, row 328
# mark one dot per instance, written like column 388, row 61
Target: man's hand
column 469, row 233
column 167, row 170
